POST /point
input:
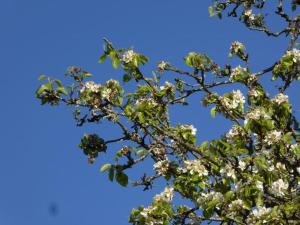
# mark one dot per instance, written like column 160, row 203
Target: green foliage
column 91, row 145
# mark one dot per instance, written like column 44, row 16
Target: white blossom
column 237, row 71
column 252, row 78
column 228, row 171
column 273, row 137
column 236, row 46
column 294, row 146
column 259, row 185
column 205, row 197
column 146, row 213
column 280, row 99
column 234, row 132
column 280, row 166
column 237, row 99
column 162, row 166
column 271, row 168
column 128, row 56
column 167, row 85
column 257, row 114
column 162, row 66
column 189, row 127
column 254, row 169
column 255, row 93
column 195, row 167
column 236, row 204
column 158, row 151
column 242, row 165
column 295, row 53
column 258, row 213
column 166, row 196
column 90, row 86
column 298, row 170
column 249, row 14
column 106, row 93
column 279, row 187
column 150, row 101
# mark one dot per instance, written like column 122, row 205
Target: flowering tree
column 250, row 175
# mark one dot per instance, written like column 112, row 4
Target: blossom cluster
column 279, row 187
column 90, row 86
column 191, row 128
column 242, row 165
column 165, row 196
column 128, row 56
column 280, row 99
column 206, row 197
column 273, row 137
column 236, row 204
column 228, row 171
column 236, row 100
column 256, row 114
column 195, row 167
column 149, row 101
column 162, row 66
column 162, row 166
column 255, row 93
column 259, row 214
column 237, row 46
column 167, row 86
column 237, row 71
column 295, row 54
column 249, row 14
column 234, row 132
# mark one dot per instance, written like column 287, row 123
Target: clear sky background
column 40, row 164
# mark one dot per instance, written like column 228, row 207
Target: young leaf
column 42, row 77
column 116, row 63
column 105, row 167
column 62, row 90
column 213, row 112
column 102, row 58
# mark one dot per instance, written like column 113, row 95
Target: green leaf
column 141, row 117
column 142, row 151
column 102, row 58
column 229, row 195
column 126, row 78
column 122, row 178
column 213, row 112
column 86, row 74
column 120, row 99
column 116, row 63
column 202, row 185
column 211, row 11
column 259, row 200
column 135, row 61
column 105, row 167
column 203, row 146
column 111, row 173
column 42, row 77
column 62, row 90
column 143, row 59
column 49, row 86
column 58, row 83
column 41, row 89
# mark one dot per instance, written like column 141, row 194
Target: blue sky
column 40, row 164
